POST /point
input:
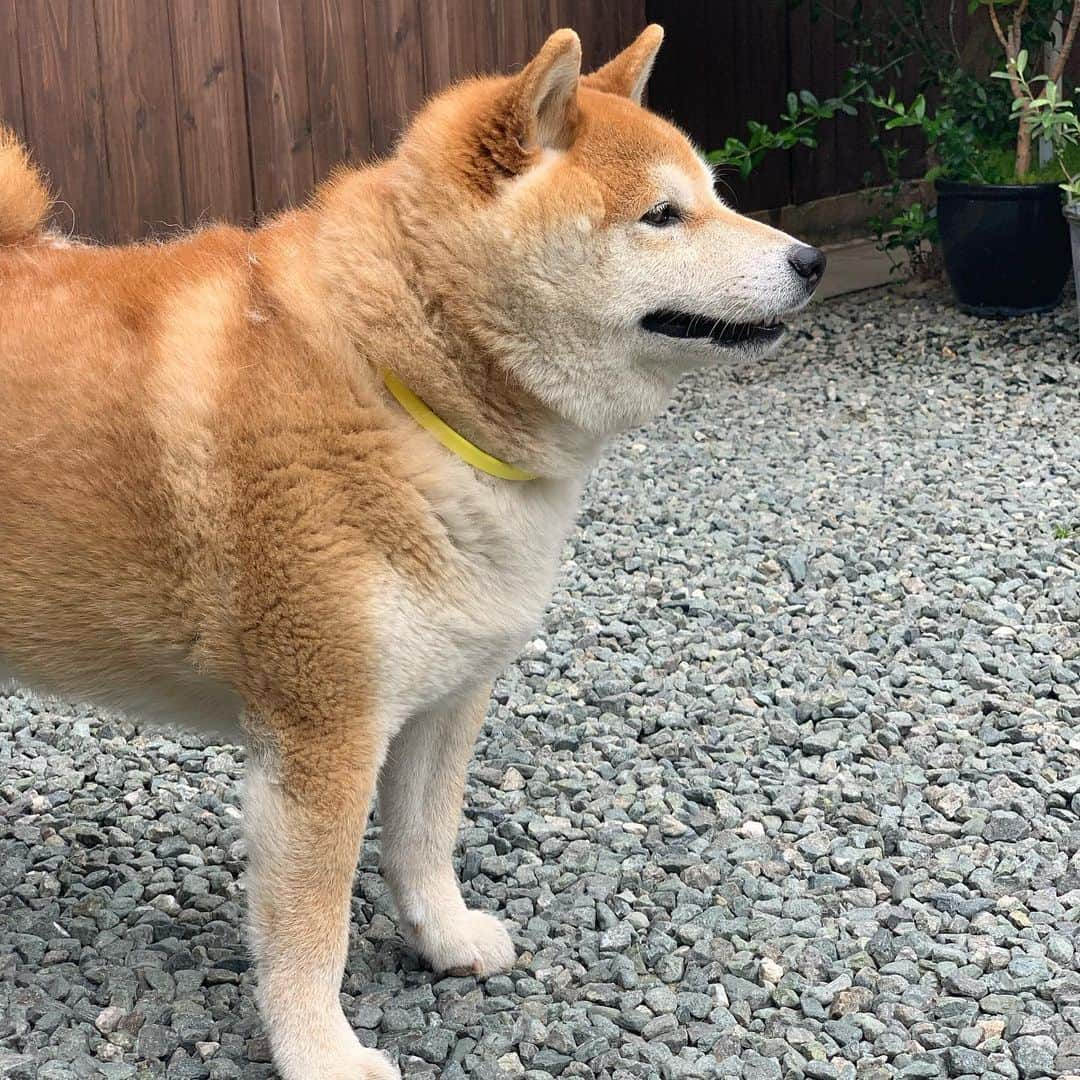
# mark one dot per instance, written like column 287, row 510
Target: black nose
column 809, row 263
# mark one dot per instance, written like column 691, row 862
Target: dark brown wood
column 11, row 101
column 710, row 83
column 726, row 63
column 511, row 35
column 396, row 71
column 140, row 118
column 604, row 29
column 761, row 83
column 861, row 163
column 541, row 18
column 459, row 40
column 267, row 96
column 337, row 72
column 215, row 161
column 62, row 107
column 681, row 63
column 814, row 172
column 279, row 116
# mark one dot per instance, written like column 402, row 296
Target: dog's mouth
column 678, row 324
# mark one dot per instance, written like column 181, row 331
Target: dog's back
column 92, row 542
column 114, row 505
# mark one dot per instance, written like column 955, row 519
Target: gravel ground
column 787, row 785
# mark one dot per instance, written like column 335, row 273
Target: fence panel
column 61, row 80
column 215, row 152
column 11, row 102
column 279, row 115
column 337, row 83
column 814, row 64
column 396, row 67
column 139, row 113
column 148, row 113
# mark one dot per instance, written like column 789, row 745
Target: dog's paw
column 474, row 943
column 369, row 1065
column 358, row 1064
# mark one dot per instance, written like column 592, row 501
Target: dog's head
column 579, row 238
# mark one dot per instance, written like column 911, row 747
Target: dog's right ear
column 627, row 74
column 540, row 104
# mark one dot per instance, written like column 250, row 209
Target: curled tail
column 24, row 198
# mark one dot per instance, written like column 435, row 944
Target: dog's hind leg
column 305, row 813
column 420, row 792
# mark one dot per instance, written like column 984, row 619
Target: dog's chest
column 449, row 637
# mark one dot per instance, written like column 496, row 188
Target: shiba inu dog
column 307, row 484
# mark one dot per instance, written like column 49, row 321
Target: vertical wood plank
column 860, row 163
column 761, row 88
column 814, row 67
column 395, row 67
column 541, row 18
column 598, row 24
column 337, row 71
column 606, row 27
column 215, row 163
column 630, row 21
column 511, row 35
column 853, row 133
column 680, row 64
column 140, row 117
column 62, row 103
column 693, row 82
column 11, row 102
column 459, row 40
column 279, row 114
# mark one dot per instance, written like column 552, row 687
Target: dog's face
column 597, row 262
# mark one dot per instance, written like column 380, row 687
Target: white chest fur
column 440, row 641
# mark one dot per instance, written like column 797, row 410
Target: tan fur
column 627, row 73
column 24, row 198
column 212, row 512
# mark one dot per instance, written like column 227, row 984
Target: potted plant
column 1054, row 119
column 1003, row 238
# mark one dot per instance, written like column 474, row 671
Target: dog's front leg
column 420, row 792
column 305, row 820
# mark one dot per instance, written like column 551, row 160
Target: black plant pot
column 1006, row 246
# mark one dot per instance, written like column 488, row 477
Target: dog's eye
column 663, row 213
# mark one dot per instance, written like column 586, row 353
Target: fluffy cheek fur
column 571, row 299
column 556, row 303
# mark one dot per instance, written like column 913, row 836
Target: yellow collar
column 455, row 443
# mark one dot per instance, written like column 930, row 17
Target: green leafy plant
column 1046, row 114
column 1031, row 93
column 975, row 128
column 950, row 139
column 912, row 230
column 798, row 127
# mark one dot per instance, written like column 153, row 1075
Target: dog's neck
column 382, row 295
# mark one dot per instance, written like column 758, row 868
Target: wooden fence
column 148, row 114
column 152, row 114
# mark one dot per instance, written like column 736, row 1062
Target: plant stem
column 1023, row 148
column 998, row 30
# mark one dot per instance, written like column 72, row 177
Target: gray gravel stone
column 1034, row 1055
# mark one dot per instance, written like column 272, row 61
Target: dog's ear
column 627, row 74
column 541, row 102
